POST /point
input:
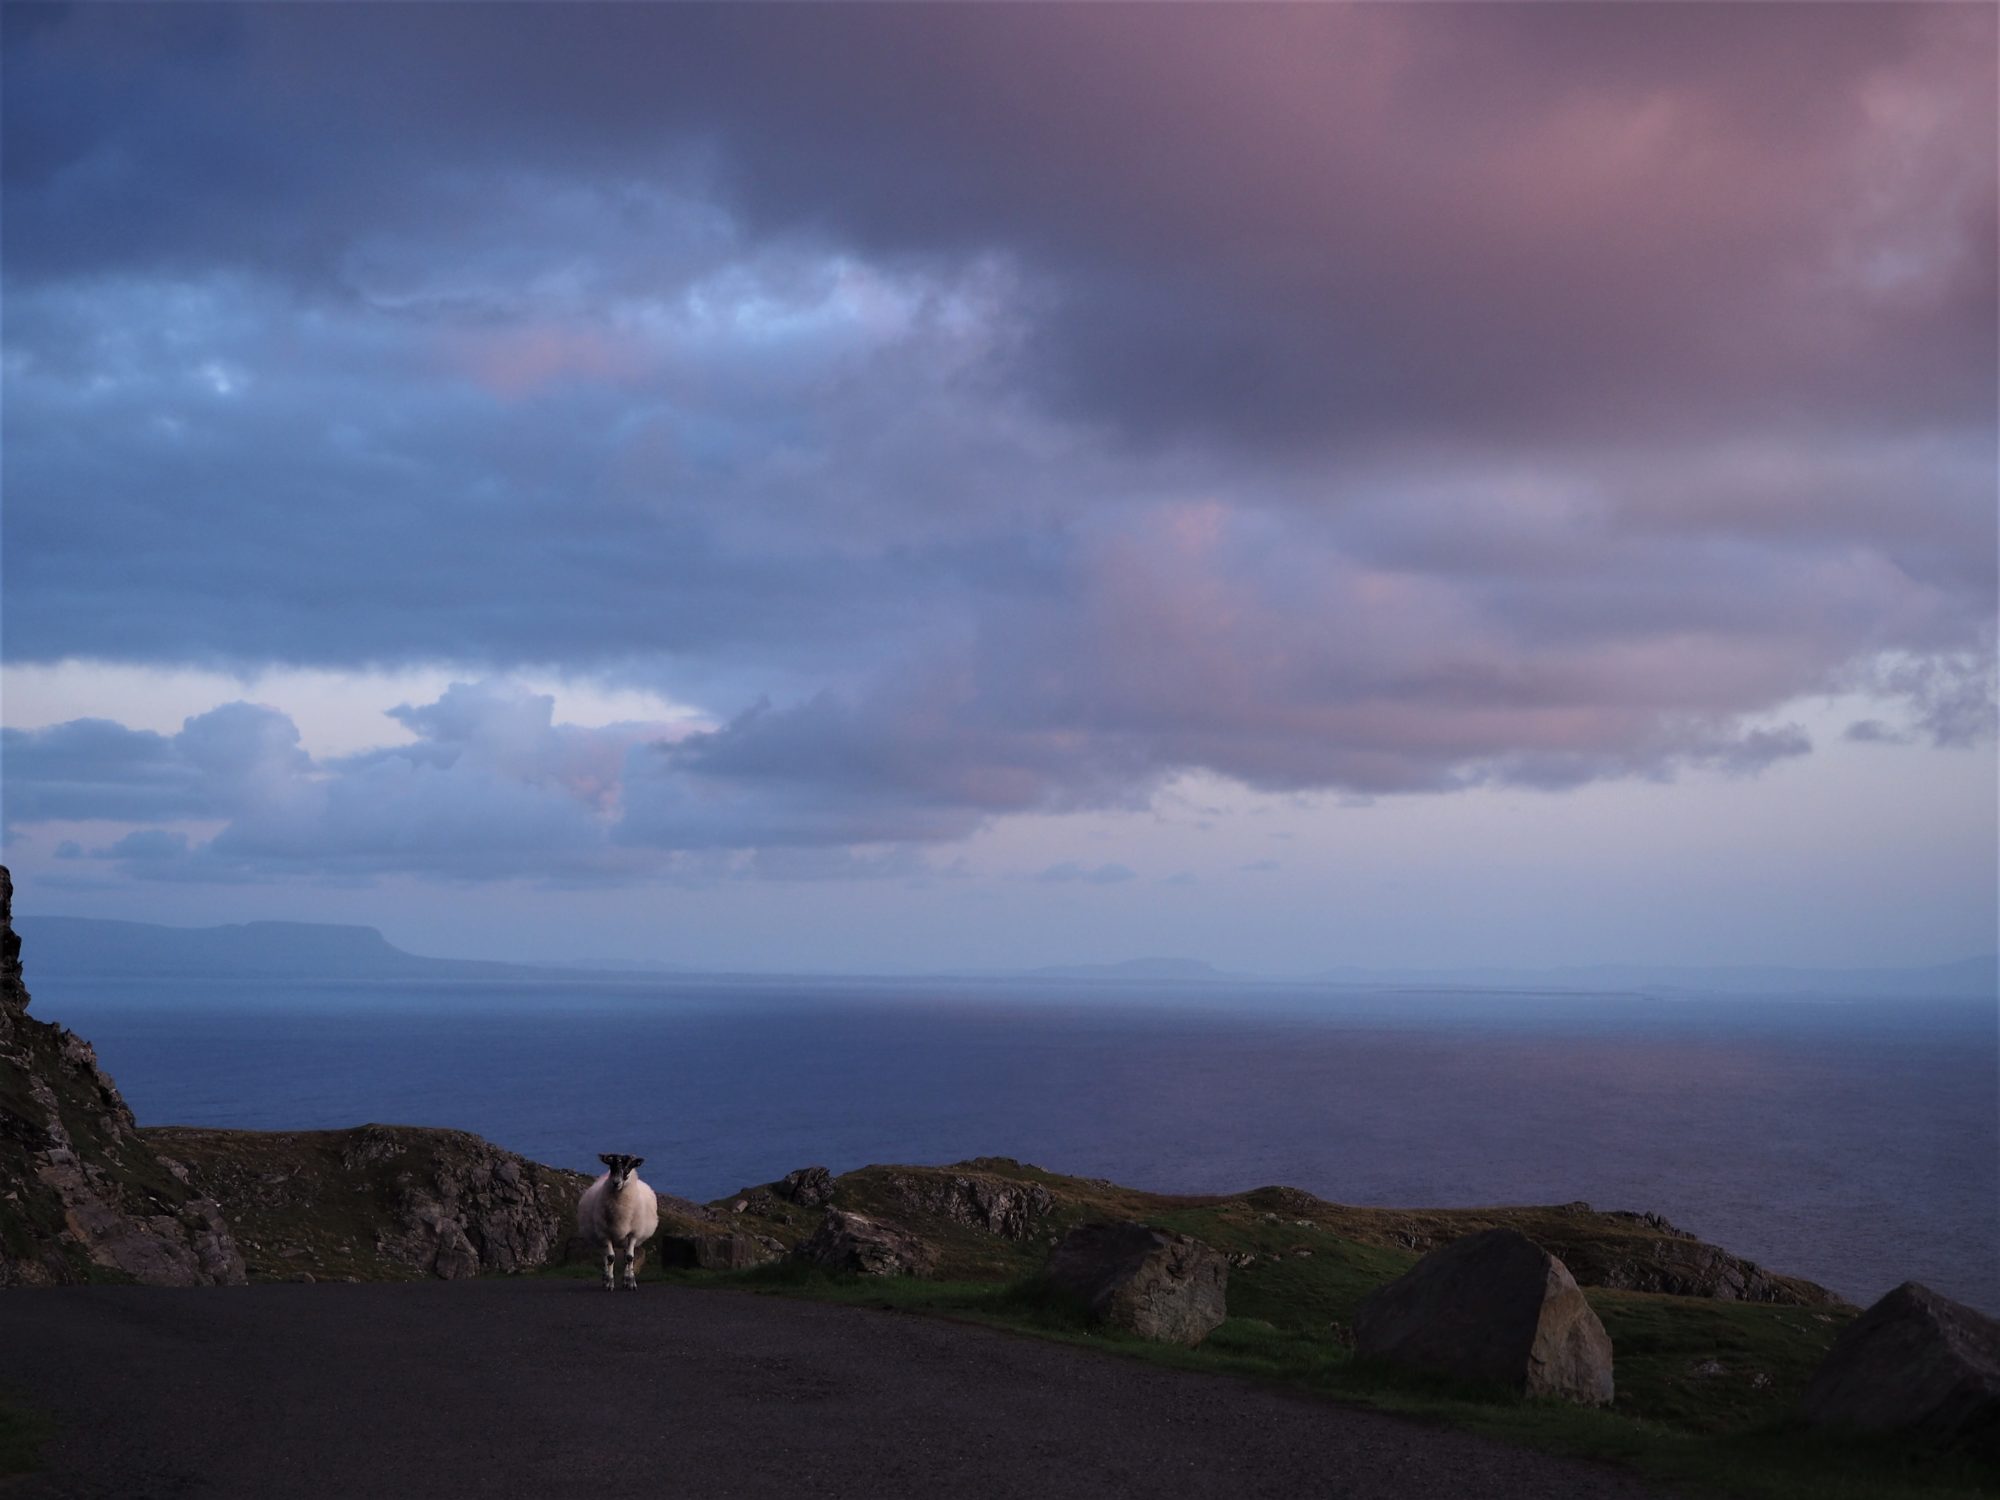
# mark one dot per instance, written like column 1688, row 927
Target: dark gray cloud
column 218, row 764
column 1873, row 732
column 986, row 409
column 1272, row 221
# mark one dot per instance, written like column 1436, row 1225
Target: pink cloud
column 533, row 358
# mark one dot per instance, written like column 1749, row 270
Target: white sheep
column 621, row 1213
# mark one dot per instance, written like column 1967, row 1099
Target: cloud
column 1655, row 216
column 1950, row 695
column 1873, row 732
column 1379, row 400
column 220, row 763
column 1069, row 872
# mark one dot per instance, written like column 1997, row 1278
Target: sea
column 1850, row 1140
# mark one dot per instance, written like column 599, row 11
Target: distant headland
column 93, row 947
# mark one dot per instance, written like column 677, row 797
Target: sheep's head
column 620, row 1169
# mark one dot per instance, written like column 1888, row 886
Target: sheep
column 619, row 1212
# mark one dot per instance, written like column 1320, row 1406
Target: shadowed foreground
column 558, row 1388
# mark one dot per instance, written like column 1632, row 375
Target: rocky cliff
column 83, row 1196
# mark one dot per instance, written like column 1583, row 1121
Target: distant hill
column 91, row 947
column 1972, row 978
column 1182, row 970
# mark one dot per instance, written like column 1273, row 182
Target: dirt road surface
column 551, row 1388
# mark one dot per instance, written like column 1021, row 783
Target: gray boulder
column 1492, row 1307
column 1915, row 1362
column 1147, row 1281
column 867, row 1247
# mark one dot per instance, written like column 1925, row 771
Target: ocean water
column 1853, row 1142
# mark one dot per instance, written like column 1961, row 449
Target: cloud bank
column 986, row 410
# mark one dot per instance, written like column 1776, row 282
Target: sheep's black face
column 619, row 1170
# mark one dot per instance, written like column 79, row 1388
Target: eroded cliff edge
column 83, row 1196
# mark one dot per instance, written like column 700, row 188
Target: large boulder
column 1915, row 1362
column 1492, row 1307
column 867, row 1247
column 1147, row 1281
column 83, row 1195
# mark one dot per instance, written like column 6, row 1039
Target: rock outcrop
column 1495, row 1308
column 852, row 1242
column 1152, row 1282
column 395, row 1200
column 809, row 1187
column 1656, row 1257
column 1917, row 1363
column 1616, row 1249
column 1012, row 1210
column 83, row 1197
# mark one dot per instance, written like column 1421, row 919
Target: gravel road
column 550, row 1388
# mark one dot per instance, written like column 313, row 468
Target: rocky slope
column 992, row 1217
column 83, row 1196
column 378, row 1202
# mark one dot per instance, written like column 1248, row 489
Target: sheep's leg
column 632, row 1262
column 610, row 1263
column 638, row 1262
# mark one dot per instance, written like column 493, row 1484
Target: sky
column 876, row 488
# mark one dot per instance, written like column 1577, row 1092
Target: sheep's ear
column 638, row 1162
column 609, row 1162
